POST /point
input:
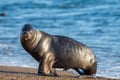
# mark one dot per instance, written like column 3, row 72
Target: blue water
column 95, row 23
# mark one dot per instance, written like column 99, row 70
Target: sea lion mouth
column 27, row 35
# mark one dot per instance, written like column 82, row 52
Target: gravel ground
column 20, row 73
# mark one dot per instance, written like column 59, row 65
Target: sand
column 20, row 73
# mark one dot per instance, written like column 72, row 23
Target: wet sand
column 20, row 73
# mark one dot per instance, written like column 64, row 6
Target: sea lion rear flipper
column 78, row 71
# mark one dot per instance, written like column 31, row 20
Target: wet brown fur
column 54, row 51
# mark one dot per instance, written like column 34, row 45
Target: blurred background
column 95, row 23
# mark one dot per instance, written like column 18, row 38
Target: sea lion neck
column 43, row 42
column 32, row 43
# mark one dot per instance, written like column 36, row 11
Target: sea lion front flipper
column 51, row 61
column 54, row 72
column 46, row 66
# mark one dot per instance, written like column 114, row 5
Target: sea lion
column 55, row 51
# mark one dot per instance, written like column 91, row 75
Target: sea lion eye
column 30, row 31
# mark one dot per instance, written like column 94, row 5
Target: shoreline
column 23, row 73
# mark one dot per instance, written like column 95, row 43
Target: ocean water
column 95, row 23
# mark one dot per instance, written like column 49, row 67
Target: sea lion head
column 27, row 32
column 29, row 37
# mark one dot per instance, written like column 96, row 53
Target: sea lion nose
column 24, row 33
